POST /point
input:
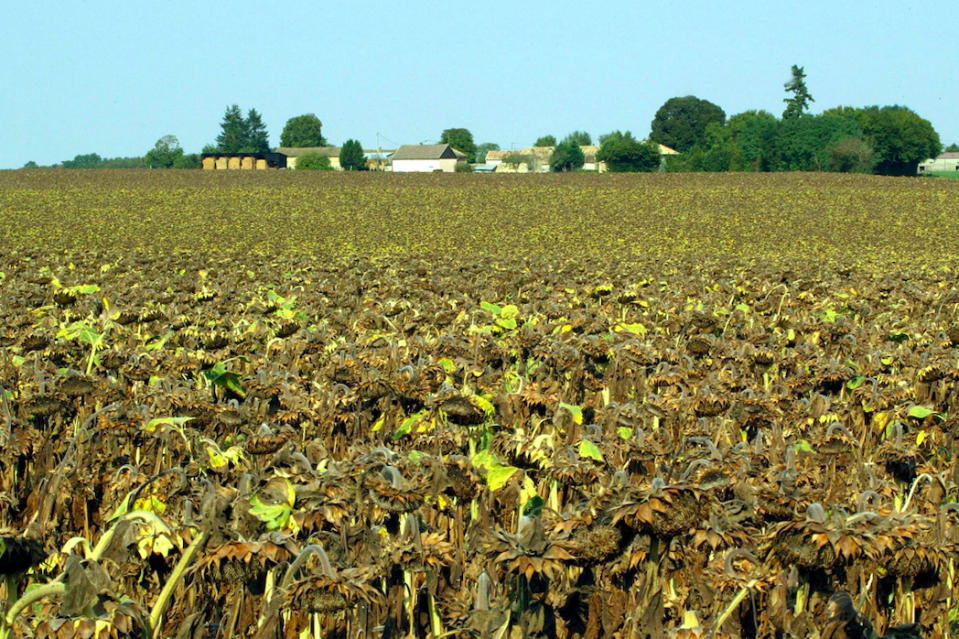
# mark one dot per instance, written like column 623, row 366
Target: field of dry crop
column 288, row 405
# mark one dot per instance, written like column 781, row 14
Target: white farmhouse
column 946, row 162
column 413, row 158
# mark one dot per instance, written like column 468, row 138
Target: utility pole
column 379, row 153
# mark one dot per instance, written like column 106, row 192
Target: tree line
column 887, row 140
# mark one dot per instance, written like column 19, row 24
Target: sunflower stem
column 167, row 593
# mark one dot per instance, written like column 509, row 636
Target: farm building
column 375, row 160
column 243, row 161
column 946, row 162
column 411, row 158
column 532, row 159
column 293, row 153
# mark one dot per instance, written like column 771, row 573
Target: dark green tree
column 952, row 148
column 257, row 137
column 351, row 156
column 681, row 122
column 546, row 140
column 798, row 104
column 233, row 131
column 851, row 155
column 461, row 140
column 483, row 149
column 567, row 156
column 31, row 165
column 303, row 131
column 623, row 153
column 900, row 138
column 754, row 139
column 804, row 142
column 84, row 161
column 188, row 161
column 582, row 138
column 313, row 162
column 164, row 154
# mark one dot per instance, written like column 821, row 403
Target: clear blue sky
column 112, row 77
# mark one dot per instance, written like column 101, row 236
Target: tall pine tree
column 258, row 139
column 799, row 102
column 233, row 135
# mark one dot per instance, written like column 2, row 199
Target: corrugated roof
column 295, row 152
column 424, row 152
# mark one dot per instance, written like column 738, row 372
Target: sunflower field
column 276, row 404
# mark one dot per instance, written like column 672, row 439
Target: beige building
column 535, row 159
column 293, row 153
column 427, row 158
column 375, row 160
column 943, row 163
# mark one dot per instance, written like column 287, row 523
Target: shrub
column 313, row 162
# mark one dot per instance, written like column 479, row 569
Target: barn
column 243, row 161
column 944, row 163
column 413, row 158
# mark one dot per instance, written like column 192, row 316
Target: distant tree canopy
column 240, row 134
column 567, row 156
column 581, row 138
column 257, row 137
column 901, row 139
column 94, row 161
column 623, row 153
column 303, row 131
column 888, row 140
column 798, row 103
column 351, row 156
column 461, row 140
column 31, row 165
column 164, row 154
column 545, row 140
column 313, row 162
column 483, row 149
column 681, row 122
column 952, row 148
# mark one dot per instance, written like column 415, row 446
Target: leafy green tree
column 303, row 131
column 546, row 140
column 233, row 131
column 483, row 149
column 164, row 154
column 804, row 142
column 581, row 138
column 351, row 156
column 188, row 161
column 567, row 156
column 463, row 167
column 210, row 148
column 84, row 161
column 461, row 140
column 798, row 104
column 31, row 165
column 681, row 122
column 623, row 153
column 257, row 137
column 754, row 139
column 952, row 148
column 313, row 162
column 851, row 155
column 900, row 137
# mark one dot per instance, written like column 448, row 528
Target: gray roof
column 424, row 152
column 295, row 152
column 951, row 155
